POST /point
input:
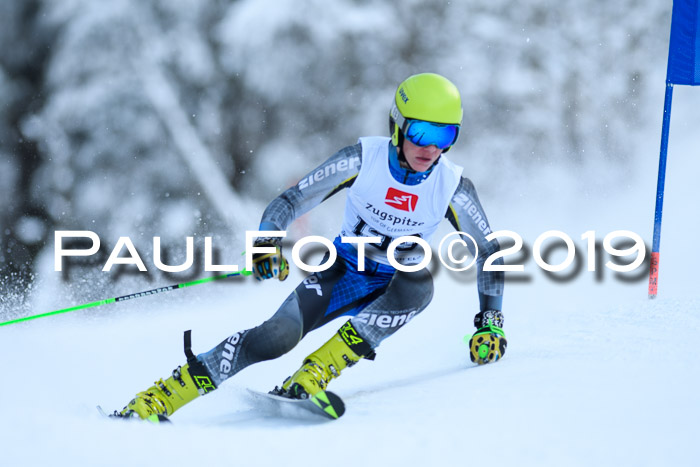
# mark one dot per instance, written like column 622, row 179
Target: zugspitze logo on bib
column 401, row 200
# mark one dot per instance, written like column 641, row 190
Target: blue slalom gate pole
column 654, row 269
column 683, row 68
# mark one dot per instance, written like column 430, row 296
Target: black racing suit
column 380, row 300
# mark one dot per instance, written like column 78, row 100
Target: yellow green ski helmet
column 427, row 110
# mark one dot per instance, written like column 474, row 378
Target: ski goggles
column 423, row 133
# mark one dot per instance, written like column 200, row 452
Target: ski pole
column 124, row 298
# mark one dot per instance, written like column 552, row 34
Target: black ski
column 324, row 404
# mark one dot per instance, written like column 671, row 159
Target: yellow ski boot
column 164, row 397
column 161, row 400
column 343, row 350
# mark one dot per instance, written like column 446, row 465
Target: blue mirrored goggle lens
column 423, row 133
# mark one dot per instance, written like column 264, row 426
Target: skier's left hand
column 488, row 344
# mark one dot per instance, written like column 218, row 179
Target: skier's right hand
column 269, row 265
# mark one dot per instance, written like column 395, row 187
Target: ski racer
column 402, row 185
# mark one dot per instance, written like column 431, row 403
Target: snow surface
column 595, row 373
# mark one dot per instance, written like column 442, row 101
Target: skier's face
column 420, row 158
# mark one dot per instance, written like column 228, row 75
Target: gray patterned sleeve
column 466, row 215
column 336, row 173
